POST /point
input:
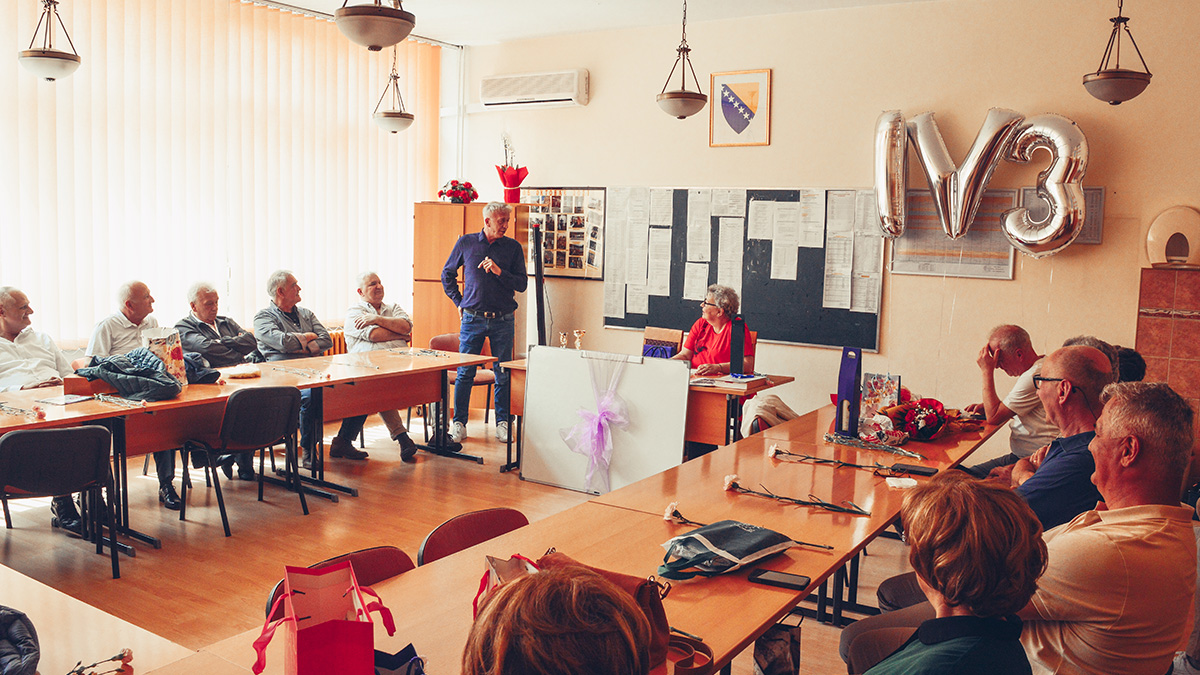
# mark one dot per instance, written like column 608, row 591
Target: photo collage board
column 572, row 220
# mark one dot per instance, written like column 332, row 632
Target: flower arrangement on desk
column 921, row 420
column 847, row 506
column 457, row 192
column 125, row 657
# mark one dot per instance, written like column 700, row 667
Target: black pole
column 737, row 339
column 539, row 284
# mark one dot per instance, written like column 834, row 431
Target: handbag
column 718, row 548
column 326, row 621
column 498, row 573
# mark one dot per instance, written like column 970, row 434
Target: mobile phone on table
column 796, row 582
column 914, row 469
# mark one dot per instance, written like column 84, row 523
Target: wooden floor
column 201, row 587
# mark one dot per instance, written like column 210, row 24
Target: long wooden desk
column 70, row 630
column 713, row 411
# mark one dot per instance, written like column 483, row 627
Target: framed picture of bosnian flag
column 739, row 111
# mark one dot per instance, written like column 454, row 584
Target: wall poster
column 572, row 222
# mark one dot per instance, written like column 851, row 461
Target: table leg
column 116, row 425
column 441, row 443
column 512, row 463
column 317, row 404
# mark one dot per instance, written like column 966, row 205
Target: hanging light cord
column 1119, row 22
column 683, row 50
column 393, row 84
column 51, row 7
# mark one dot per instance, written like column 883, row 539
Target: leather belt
column 484, row 315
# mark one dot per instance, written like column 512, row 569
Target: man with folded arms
column 287, row 331
column 222, row 342
column 1009, row 349
column 1117, row 593
column 120, row 334
column 374, row 324
column 29, row 359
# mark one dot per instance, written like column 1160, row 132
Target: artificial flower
column 731, row 482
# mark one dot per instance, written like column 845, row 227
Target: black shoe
column 227, row 469
column 168, row 497
column 64, row 515
column 247, row 474
column 339, row 447
column 408, row 449
column 307, row 462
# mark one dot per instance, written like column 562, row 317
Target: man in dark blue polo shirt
column 493, row 271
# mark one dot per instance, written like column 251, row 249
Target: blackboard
column 780, row 310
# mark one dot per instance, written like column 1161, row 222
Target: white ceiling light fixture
column 46, row 61
column 394, row 119
column 375, row 26
column 682, row 103
column 1116, row 84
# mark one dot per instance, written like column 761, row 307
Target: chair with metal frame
column 371, row 566
column 466, row 530
column 255, row 419
column 51, row 462
column 448, row 342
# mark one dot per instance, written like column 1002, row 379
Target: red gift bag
column 327, row 623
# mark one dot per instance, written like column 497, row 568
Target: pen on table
column 684, row 633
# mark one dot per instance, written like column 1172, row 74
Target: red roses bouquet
column 458, row 192
column 922, row 420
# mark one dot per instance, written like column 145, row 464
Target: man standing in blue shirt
column 493, row 272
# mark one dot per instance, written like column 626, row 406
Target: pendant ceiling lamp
column 1116, row 84
column 393, row 119
column 374, row 26
column 681, row 102
column 45, row 61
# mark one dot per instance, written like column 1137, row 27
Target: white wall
column 834, row 72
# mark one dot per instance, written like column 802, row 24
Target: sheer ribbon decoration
column 592, row 435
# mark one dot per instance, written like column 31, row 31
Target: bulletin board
column 781, row 310
column 572, row 222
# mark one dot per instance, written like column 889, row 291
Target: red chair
column 371, row 566
column 468, row 529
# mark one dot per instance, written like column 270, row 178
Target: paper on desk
column 729, row 202
column 760, row 219
column 786, row 236
column 699, row 226
column 662, row 207
column 637, row 300
column 695, row 281
column 730, row 249
column 812, row 218
column 659, row 277
column 901, row 483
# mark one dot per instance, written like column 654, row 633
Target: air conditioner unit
column 535, row 90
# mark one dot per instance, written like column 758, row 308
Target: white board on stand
column 558, row 385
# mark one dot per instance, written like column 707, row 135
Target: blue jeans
column 473, row 330
column 308, row 424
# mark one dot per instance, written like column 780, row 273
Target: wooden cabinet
column 437, row 225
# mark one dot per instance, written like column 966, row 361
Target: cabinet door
column 433, row 313
column 436, row 226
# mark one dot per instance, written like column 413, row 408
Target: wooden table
column 71, row 630
column 713, row 411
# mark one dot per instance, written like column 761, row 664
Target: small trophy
column 562, row 340
column 579, row 338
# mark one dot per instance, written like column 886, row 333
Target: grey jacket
column 279, row 336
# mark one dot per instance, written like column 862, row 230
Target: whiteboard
column 558, row 385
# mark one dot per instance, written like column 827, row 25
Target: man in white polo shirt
column 121, row 333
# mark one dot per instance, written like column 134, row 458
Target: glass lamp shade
column 374, row 26
column 681, row 103
column 1116, row 85
column 50, row 64
column 393, row 120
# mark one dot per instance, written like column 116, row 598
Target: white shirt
column 117, row 335
column 31, row 358
column 359, row 339
column 1030, row 429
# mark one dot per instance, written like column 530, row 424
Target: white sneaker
column 1181, row 666
column 502, row 432
column 458, row 431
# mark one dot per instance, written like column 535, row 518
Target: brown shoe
column 345, row 449
column 408, row 449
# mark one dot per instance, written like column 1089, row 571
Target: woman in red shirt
column 707, row 343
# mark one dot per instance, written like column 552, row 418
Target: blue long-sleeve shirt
column 484, row 291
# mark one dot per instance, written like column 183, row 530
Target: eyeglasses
column 1038, row 380
column 705, row 303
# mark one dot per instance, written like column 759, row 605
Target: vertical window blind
column 205, row 140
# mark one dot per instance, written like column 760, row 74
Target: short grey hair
column 493, row 207
column 361, row 279
column 726, row 299
column 277, row 279
column 199, row 287
column 7, row 293
column 1105, row 348
column 1010, row 338
column 1083, row 369
column 1160, row 419
column 125, row 292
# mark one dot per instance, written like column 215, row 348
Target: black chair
column 255, row 419
column 50, row 462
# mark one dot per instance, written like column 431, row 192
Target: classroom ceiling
column 481, row 22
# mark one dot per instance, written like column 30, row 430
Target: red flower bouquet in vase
column 458, row 192
column 511, row 174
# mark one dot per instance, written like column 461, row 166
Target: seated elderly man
column 1117, row 593
column 374, row 324
column 29, row 359
column 287, row 331
column 222, row 342
column 121, row 333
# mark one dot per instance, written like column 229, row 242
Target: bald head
column 136, row 301
column 14, row 312
column 1087, row 369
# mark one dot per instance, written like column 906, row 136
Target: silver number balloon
column 1061, row 184
column 957, row 190
column 891, row 172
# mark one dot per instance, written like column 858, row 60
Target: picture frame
column 572, row 219
column 739, row 111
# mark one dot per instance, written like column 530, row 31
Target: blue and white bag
column 718, row 548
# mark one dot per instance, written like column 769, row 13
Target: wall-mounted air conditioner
column 535, row 90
